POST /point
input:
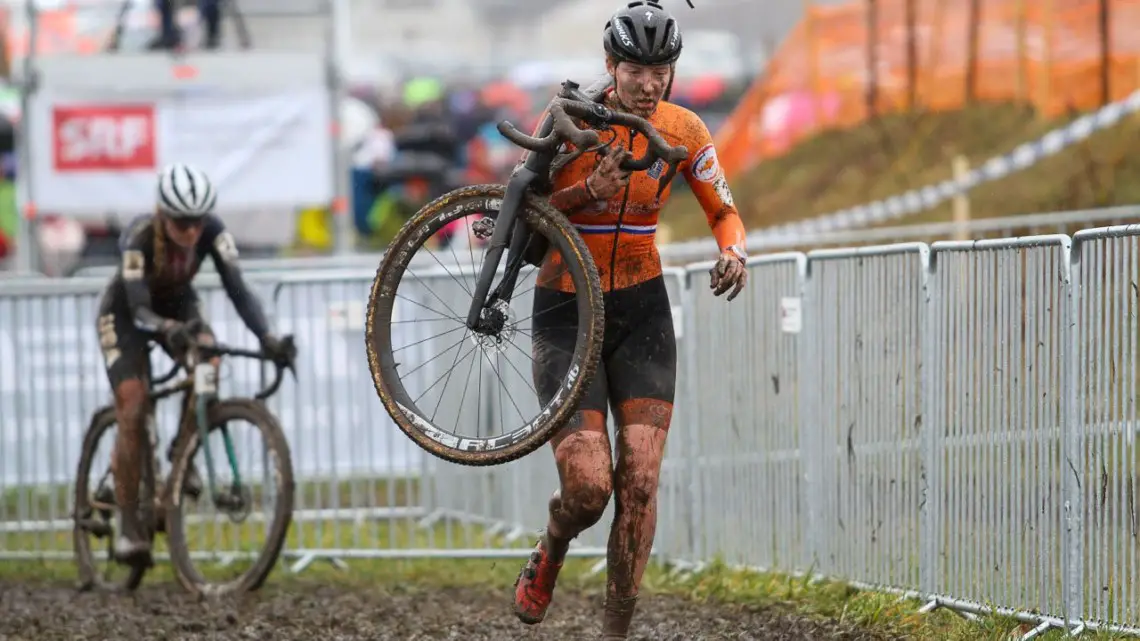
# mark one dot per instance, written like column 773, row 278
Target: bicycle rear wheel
column 94, row 510
column 390, row 366
column 277, row 487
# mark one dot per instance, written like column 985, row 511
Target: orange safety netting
column 1043, row 52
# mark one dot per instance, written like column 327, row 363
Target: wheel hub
column 496, row 327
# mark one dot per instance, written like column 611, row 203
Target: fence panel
column 1001, row 309
column 1106, row 370
column 744, row 386
column 360, row 482
column 865, row 317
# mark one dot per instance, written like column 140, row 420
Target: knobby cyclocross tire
column 548, row 222
column 102, row 422
column 221, row 412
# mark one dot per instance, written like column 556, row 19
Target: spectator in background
column 170, row 35
column 373, row 153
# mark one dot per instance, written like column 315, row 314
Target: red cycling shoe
column 534, row 588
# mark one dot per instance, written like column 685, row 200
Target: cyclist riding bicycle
column 150, row 297
column 617, row 214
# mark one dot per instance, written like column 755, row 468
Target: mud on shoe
column 534, row 587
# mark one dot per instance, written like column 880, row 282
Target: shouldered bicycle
column 521, row 222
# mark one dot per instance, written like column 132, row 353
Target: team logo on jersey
column 657, row 169
column 705, row 165
column 134, row 265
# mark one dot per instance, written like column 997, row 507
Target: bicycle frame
column 507, row 235
column 199, row 403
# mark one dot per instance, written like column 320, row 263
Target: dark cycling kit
column 153, row 284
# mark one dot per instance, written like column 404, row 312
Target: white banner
column 95, row 150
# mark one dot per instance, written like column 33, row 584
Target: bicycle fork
column 520, row 235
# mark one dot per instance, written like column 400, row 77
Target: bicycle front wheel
column 487, row 369
column 236, row 542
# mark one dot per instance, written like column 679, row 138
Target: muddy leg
column 641, row 447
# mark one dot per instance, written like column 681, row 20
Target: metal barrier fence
column 954, row 422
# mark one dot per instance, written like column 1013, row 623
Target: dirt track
column 313, row 612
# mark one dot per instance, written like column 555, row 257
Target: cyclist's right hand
column 175, row 335
column 280, row 350
column 609, row 178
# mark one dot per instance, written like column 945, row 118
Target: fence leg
column 931, row 428
column 1073, row 439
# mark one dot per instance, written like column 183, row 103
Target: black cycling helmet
column 644, row 33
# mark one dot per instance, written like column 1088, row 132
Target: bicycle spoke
column 544, row 311
column 416, row 401
column 467, row 237
column 453, row 314
column 441, row 314
column 421, row 342
column 453, row 364
column 424, row 320
column 464, row 396
column 504, row 386
column 556, row 276
column 440, row 263
column 521, row 375
column 458, row 342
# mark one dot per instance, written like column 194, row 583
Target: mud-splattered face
column 640, row 87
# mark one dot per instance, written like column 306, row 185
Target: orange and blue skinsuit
column 637, row 373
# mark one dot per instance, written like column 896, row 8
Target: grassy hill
column 839, row 169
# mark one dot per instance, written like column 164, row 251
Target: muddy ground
column 311, row 612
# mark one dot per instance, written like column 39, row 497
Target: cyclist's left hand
column 728, row 273
column 278, row 350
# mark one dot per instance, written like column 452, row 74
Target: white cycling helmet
column 185, row 192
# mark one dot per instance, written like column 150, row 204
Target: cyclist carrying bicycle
column 617, row 213
column 150, row 297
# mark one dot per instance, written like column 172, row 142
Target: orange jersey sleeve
column 707, row 180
